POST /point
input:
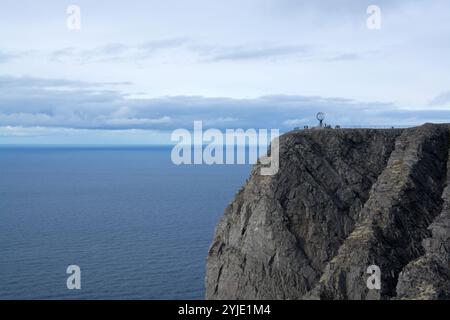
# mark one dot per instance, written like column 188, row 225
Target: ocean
column 138, row 226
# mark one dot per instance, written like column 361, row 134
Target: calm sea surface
column 138, row 226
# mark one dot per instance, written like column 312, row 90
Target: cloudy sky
column 139, row 69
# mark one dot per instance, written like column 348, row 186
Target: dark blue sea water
column 138, row 226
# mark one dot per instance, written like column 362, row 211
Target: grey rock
column 342, row 200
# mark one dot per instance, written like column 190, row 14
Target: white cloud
column 10, row 135
column 441, row 100
column 296, row 122
column 137, row 121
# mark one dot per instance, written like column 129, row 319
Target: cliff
column 343, row 200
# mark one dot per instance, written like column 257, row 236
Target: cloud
column 255, row 52
column 137, row 121
column 345, row 57
column 64, row 136
column 18, row 131
column 114, row 52
column 296, row 122
column 441, row 100
column 9, row 56
column 340, row 9
column 118, row 52
column 4, row 57
column 153, row 46
column 27, row 83
column 59, row 103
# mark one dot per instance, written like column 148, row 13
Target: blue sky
column 139, row 69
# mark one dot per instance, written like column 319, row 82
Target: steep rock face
column 428, row 277
column 402, row 204
column 342, row 200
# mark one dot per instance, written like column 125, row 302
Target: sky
column 137, row 70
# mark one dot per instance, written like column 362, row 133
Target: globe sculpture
column 320, row 116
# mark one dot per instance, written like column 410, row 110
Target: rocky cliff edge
column 343, row 200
